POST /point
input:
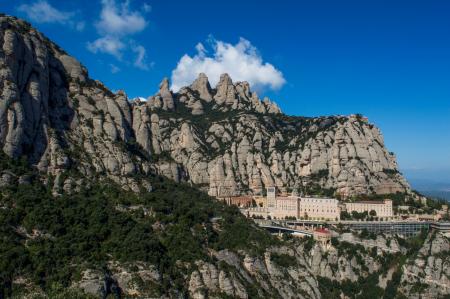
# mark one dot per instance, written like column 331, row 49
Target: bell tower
column 271, row 197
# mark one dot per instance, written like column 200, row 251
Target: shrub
column 283, row 260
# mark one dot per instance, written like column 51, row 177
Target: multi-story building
column 281, row 207
column 319, row 208
column 260, row 201
column 383, row 208
column 271, row 197
column 286, row 207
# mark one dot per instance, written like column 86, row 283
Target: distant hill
column 437, row 194
column 431, row 188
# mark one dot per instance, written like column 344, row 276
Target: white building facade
column 286, row 207
column 316, row 208
column 383, row 208
column 292, row 206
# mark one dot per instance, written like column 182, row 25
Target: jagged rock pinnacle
column 201, row 84
column 49, row 105
column 225, row 90
column 166, row 95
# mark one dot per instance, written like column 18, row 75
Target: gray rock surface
column 225, row 138
column 201, row 85
column 272, row 281
column 430, row 270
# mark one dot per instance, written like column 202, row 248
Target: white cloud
column 146, row 7
column 241, row 61
column 200, row 49
column 107, row 44
column 119, row 21
column 141, row 58
column 43, row 12
column 116, row 24
column 79, row 26
column 114, row 68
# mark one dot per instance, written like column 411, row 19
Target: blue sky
column 389, row 60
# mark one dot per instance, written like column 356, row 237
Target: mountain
column 432, row 188
column 224, row 140
column 99, row 194
column 437, row 194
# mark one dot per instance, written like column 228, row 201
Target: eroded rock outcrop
column 52, row 113
column 273, row 280
column 428, row 275
column 224, row 139
column 242, row 144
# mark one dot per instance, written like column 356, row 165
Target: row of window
column 309, row 210
column 376, row 210
column 308, row 200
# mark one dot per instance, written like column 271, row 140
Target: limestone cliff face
column 242, row 151
column 350, row 260
column 273, row 281
column 224, row 139
column 54, row 114
column 424, row 274
column 428, row 275
column 234, row 275
column 337, row 263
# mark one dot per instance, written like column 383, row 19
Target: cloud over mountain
column 43, row 12
column 117, row 22
column 241, row 61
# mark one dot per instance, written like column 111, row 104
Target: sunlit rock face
column 225, row 139
column 230, row 142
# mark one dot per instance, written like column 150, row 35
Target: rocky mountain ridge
column 371, row 268
column 175, row 242
column 223, row 139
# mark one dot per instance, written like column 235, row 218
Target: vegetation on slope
column 50, row 240
column 367, row 285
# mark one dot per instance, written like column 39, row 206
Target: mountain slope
column 83, row 204
column 223, row 139
column 153, row 244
